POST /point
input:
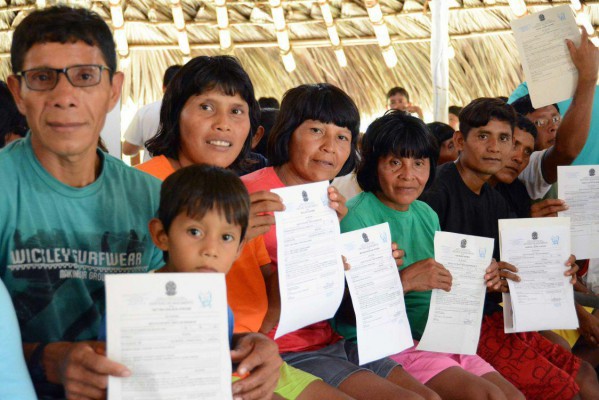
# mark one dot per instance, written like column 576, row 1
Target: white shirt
column 144, row 126
column 532, row 176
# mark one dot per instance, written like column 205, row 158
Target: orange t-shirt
column 246, row 290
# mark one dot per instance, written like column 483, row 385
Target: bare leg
column 510, row 391
column 456, row 384
column 402, row 378
column 319, row 390
column 365, row 385
column 557, row 339
column 587, row 380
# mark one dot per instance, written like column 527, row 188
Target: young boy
column 201, row 225
column 399, row 99
column 465, row 203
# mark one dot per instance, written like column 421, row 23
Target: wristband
column 35, row 365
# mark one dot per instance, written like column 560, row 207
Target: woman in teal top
column 15, row 382
column 398, row 162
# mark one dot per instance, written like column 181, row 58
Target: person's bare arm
column 573, row 132
column 129, row 149
column 82, row 367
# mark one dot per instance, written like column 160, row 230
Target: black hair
column 199, row 188
column 321, row 102
column 398, row 90
column 526, row 125
column 199, row 75
column 455, row 110
column 268, row 102
column 62, row 24
column 524, row 105
column 399, row 134
column 268, row 116
column 169, row 74
column 441, row 131
column 482, row 110
column 11, row 120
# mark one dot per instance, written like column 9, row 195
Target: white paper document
column 544, row 297
column 382, row 324
column 578, row 186
column 550, row 73
column 311, row 279
column 171, row 331
column 455, row 317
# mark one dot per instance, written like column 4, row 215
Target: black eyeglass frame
column 64, row 71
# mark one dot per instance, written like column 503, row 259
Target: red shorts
column 532, row 363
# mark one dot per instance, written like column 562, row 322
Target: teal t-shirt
column 413, row 231
column 590, row 152
column 57, row 242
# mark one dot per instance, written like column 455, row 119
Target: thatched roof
column 486, row 59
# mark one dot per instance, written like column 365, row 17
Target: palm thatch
column 486, row 59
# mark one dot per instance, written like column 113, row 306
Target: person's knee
column 586, row 374
column 494, row 393
column 431, row 396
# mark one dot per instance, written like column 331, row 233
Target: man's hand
column 585, row 58
column 258, row 356
column 497, row 275
column 397, row 254
column 337, row 202
column 547, row 208
column 82, row 368
column 262, row 205
column 572, row 268
column 425, row 275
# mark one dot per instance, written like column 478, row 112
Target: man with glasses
column 558, row 141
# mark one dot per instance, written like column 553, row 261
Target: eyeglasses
column 544, row 121
column 42, row 79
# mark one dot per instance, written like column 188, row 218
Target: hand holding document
column 550, row 73
column 171, row 331
column 311, row 280
column 455, row 317
column 543, row 299
column 382, row 324
column 578, row 186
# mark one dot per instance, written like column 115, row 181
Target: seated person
column 399, row 99
column 558, row 141
column 13, row 125
column 465, row 203
column 453, row 116
column 15, row 382
column 398, row 162
column 444, row 135
column 201, row 225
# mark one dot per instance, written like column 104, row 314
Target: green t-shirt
column 413, row 231
column 57, row 242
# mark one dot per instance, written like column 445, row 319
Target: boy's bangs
column 233, row 208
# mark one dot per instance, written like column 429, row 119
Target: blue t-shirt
column 590, row 152
column 14, row 378
column 57, row 242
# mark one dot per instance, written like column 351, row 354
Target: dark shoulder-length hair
column 399, row 134
column 321, row 102
column 196, row 77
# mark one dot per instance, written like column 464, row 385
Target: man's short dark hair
column 526, row 125
column 268, row 102
column 169, row 74
column 455, row 110
column 441, row 131
column 399, row 134
column 321, row 102
column 62, row 24
column 11, row 120
column 199, row 188
column 199, row 75
column 524, row 105
column 482, row 110
column 398, row 90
